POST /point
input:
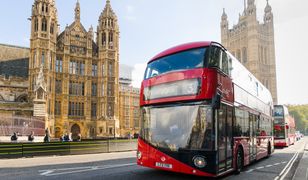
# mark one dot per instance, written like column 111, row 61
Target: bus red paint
column 203, row 112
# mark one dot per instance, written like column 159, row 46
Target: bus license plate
column 163, row 165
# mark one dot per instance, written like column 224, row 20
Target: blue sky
column 150, row 26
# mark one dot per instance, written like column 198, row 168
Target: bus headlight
column 199, row 161
column 139, row 155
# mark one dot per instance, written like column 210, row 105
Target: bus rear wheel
column 239, row 161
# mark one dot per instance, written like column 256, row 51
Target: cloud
column 130, row 13
column 131, row 18
column 130, row 9
column 138, row 74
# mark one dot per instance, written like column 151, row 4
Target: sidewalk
column 71, row 159
column 302, row 169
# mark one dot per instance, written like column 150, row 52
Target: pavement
column 284, row 164
column 70, row 159
column 301, row 172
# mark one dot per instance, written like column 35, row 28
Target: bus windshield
column 178, row 127
column 190, row 59
column 279, row 131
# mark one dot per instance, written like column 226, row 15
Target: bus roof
column 182, row 47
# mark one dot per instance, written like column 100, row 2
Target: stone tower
column 108, row 53
column 252, row 43
column 44, row 31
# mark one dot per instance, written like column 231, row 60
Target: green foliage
column 300, row 114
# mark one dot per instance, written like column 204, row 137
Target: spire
column 224, row 15
column 268, row 8
column 245, row 7
column 108, row 12
column 77, row 11
column 245, row 4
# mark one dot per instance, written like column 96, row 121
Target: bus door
column 224, row 123
column 252, row 137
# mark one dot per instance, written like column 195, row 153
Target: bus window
column 225, row 67
column 215, row 57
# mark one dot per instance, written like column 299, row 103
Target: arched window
column 110, row 40
column 50, row 61
column 110, row 37
column 44, row 24
column 265, row 56
column 47, row 8
column 43, row 7
column 104, row 39
column 52, row 28
column 22, row 98
column 34, row 59
column 43, row 58
column 262, row 54
column 238, row 55
column 244, row 56
column 36, row 25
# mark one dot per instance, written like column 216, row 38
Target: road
column 112, row 166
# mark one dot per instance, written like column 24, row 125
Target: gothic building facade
column 74, row 78
column 252, row 43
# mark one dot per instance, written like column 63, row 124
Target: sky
column 151, row 26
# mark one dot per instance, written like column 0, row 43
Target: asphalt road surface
column 111, row 166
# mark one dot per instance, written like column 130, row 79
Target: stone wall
column 9, row 52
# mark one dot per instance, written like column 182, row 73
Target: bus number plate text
column 163, row 165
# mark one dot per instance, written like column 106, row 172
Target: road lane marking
column 269, row 165
column 55, row 172
column 46, row 172
column 249, row 170
column 288, row 167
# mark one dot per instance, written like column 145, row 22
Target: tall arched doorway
column 75, row 131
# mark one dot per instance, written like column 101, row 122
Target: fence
column 18, row 150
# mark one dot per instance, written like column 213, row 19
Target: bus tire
column 269, row 149
column 239, row 161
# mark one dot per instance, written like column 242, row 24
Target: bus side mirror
column 287, row 127
column 216, row 101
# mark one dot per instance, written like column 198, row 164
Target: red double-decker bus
column 284, row 127
column 203, row 113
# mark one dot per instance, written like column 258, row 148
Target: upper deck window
column 190, row 59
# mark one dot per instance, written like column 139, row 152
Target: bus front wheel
column 269, row 150
column 239, row 161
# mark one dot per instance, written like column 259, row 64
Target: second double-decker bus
column 284, row 127
column 203, row 113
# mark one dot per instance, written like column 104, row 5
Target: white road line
column 51, row 172
column 260, row 167
column 269, row 165
column 65, row 169
column 287, row 168
column 249, row 170
column 46, row 172
column 276, row 164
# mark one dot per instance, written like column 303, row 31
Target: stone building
column 70, row 79
column 129, row 103
column 80, row 72
column 252, row 43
